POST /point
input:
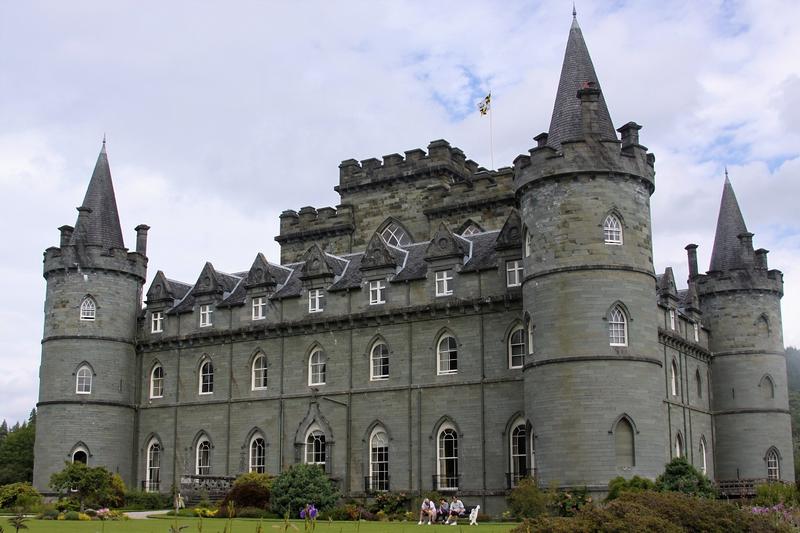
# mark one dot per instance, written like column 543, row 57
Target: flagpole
column 491, row 135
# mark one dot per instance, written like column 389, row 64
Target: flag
column 486, row 104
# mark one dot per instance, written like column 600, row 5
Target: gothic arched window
column 88, row 308
column 203, row 457
column 379, row 460
column 519, row 453
column 157, row 381
column 83, row 380
column 395, row 235
column 152, row 481
column 516, row 347
column 447, row 355
column 773, row 465
column 258, row 455
column 624, row 444
column 379, row 361
column 447, row 458
column 317, row 367
column 258, row 379
column 617, row 327
column 315, row 447
column 206, row 377
column 612, row 230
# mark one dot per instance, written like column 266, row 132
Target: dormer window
column 377, row 292
column 395, row 235
column 88, row 308
column 470, row 230
column 612, row 230
column 259, row 308
column 316, row 300
column 443, row 285
column 205, row 315
column 513, row 273
column 156, row 322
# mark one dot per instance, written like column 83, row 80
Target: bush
column 770, row 494
column 526, row 500
column 680, row 476
column 569, row 502
column 391, row 503
column 19, row 495
column 249, row 490
column 49, row 512
column 138, row 500
column 302, row 484
column 253, row 512
column 71, row 515
column 619, row 484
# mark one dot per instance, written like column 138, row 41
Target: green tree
column 3, row 430
column 87, row 485
column 16, row 454
column 680, row 476
column 301, row 485
column 526, row 500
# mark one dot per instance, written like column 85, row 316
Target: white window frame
column 157, row 322
column 527, row 242
column 672, row 319
column 206, row 313
column 514, row 273
column 259, row 308
column 379, row 460
column 471, row 230
column 84, row 451
column 617, row 327
column 703, row 459
column 530, row 337
column 377, row 292
column 88, row 309
column 674, row 385
column 206, row 369
column 773, row 465
column 157, row 382
column 679, row 449
column 448, row 369
column 445, row 482
column 443, row 279
column 152, row 473
column 612, row 230
column 317, row 368
column 395, row 235
column 518, row 452
column 519, row 345
column 257, row 454
column 259, row 373
column 202, row 463
column 316, row 447
column 696, row 327
column 376, row 365
column 316, row 300
column 83, row 380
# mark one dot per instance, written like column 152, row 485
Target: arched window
column 203, row 457
column 395, row 235
column 258, row 380
column 623, row 444
column 698, row 381
column 678, row 445
column 206, row 384
column 673, row 378
column 157, row 382
column 258, row 455
column 516, row 347
column 767, row 388
column 612, row 230
column 447, row 459
column 703, row 460
column 617, row 327
column 447, row 355
column 519, row 453
column 470, row 230
column 317, row 367
column 315, row 447
column 152, row 482
column 83, row 380
column 526, row 238
column 379, row 460
column 80, row 455
column 530, row 337
column 88, row 308
column 379, row 361
column 773, row 465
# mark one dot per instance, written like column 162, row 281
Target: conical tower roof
column 730, row 224
column 576, row 72
column 98, row 219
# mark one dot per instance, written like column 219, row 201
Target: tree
column 84, row 484
column 680, row 476
column 301, row 485
column 3, row 430
column 16, row 454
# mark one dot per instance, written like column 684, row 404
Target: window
column 203, row 458
column 443, row 279
column 773, row 466
column 157, row 382
column 83, row 380
column 379, row 460
column 516, row 348
column 379, row 361
column 698, row 381
column 767, row 388
column 316, row 300
column 315, row 448
column 152, row 480
column 395, row 235
column 207, row 377
column 612, row 230
column 316, row 367
column 447, row 355
column 157, row 322
column 259, row 308
column 678, row 445
column 672, row 319
column 527, row 241
column 617, row 327
column 472, row 229
column 205, row 315
column 623, row 444
column 673, row 378
column 519, row 453
column 88, row 309
column 447, row 459
column 530, row 337
column 80, row 456
column 696, row 327
column 259, row 374
column 513, row 273
column 703, row 461
column 258, row 455
column 377, row 292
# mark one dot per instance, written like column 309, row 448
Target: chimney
column 761, row 258
column 746, row 248
column 691, row 252
column 141, row 238
column 589, row 95
column 541, row 140
column 630, row 135
column 66, row 234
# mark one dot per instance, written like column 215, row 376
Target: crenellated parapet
column 755, row 279
column 88, row 257
column 483, row 189
column 327, row 226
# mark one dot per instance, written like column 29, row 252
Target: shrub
column 569, row 502
column 250, row 490
column 526, row 500
column 680, row 476
column 145, row 501
column 205, row 512
column 19, row 495
column 49, row 512
column 71, row 515
column 302, row 484
column 391, row 503
column 253, row 512
column 771, row 494
column 619, row 484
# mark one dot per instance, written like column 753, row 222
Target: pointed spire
column 730, row 224
column 98, row 219
column 577, row 72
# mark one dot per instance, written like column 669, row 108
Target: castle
column 445, row 327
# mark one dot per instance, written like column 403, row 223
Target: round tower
column 87, row 374
column 594, row 384
column 740, row 300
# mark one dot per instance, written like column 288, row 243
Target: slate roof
column 576, row 70
column 726, row 253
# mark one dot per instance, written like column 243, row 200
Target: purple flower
column 302, row 513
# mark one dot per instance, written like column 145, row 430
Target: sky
column 220, row 115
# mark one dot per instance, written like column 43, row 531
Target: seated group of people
column 446, row 513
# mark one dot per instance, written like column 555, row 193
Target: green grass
column 161, row 525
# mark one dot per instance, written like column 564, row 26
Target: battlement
column 441, row 157
column 740, row 279
column 71, row 257
column 482, row 188
column 309, row 221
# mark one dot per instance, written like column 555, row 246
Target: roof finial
column 103, row 149
column 726, row 173
column 574, row 11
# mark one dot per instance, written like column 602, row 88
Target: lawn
column 162, row 525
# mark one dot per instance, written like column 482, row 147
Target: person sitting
column 444, row 510
column 456, row 510
column 427, row 512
